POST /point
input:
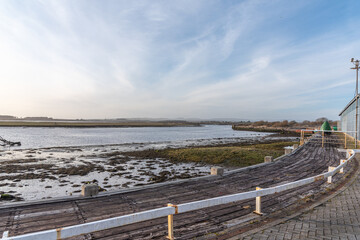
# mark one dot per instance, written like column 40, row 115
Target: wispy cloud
column 248, row 59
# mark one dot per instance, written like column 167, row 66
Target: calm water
column 54, row 137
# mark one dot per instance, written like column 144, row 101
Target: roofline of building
column 348, row 105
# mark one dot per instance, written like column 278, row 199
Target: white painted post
column 88, row 190
column 258, row 204
column 268, row 159
column 5, row 235
column 288, row 150
column 348, row 153
column 219, row 171
column 341, row 162
column 329, row 180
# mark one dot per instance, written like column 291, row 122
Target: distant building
column 348, row 117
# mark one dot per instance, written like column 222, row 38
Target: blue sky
column 253, row 59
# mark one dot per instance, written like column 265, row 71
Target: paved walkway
column 338, row 218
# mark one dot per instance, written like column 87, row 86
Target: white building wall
column 348, row 120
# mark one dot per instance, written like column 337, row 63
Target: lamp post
column 356, row 63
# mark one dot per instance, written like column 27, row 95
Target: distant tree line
column 12, row 118
column 286, row 124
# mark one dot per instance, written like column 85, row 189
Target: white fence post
column 341, row 162
column 329, row 179
column 258, row 203
column 5, row 235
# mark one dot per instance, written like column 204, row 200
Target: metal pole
column 357, row 100
column 356, row 119
column 357, row 71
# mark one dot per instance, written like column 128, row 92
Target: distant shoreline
column 90, row 124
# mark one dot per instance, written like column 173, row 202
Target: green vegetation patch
column 233, row 156
column 6, row 196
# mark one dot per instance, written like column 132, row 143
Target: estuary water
column 65, row 137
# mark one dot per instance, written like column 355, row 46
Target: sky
column 248, row 60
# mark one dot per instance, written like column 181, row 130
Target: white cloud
column 83, row 59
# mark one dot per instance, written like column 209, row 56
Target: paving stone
column 339, row 218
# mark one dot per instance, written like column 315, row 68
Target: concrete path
column 337, row 218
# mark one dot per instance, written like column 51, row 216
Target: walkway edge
column 302, row 211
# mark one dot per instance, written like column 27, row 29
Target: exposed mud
column 54, row 172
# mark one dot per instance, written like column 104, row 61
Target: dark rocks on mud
column 28, row 176
column 167, row 176
column 81, row 170
column 94, row 181
column 19, row 161
column 120, row 168
column 111, row 170
column 9, row 197
column 14, row 168
column 113, row 161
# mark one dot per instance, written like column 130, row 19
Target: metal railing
column 171, row 209
column 343, row 138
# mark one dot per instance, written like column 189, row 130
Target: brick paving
column 338, row 218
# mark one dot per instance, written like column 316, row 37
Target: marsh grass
column 232, row 156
